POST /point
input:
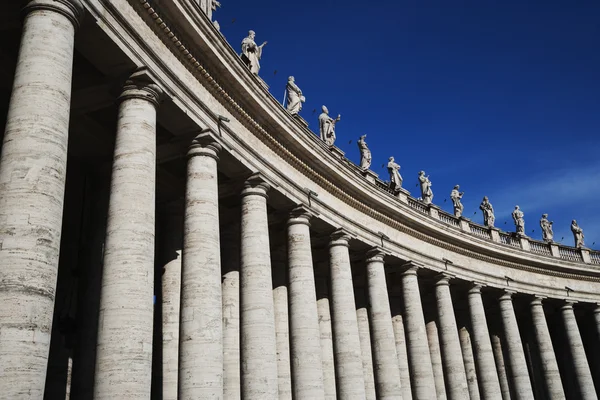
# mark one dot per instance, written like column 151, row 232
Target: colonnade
column 219, row 311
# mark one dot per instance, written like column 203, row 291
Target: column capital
column 507, row 295
column 205, row 144
column 256, row 185
column 142, row 85
column 340, row 237
column 476, row 287
column 537, row 300
column 72, row 9
column 301, row 214
column 375, row 254
column 597, row 309
column 411, row 267
column 444, row 278
column 568, row 304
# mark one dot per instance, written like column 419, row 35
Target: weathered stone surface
column 436, row 359
column 326, row 339
column 400, row 338
column 469, row 362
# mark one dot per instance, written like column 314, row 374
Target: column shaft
column 304, row 318
column 597, row 319
column 501, row 366
column 348, row 358
column 282, row 331
column 398, row 324
column 452, row 357
column 583, row 374
column 469, row 363
column 489, row 385
column 387, row 373
column 419, row 358
column 201, row 340
column 436, row 359
column 258, row 342
column 326, row 340
column 33, row 169
column 124, row 346
column 362, row 318
column 516, row 356
column 550, row 373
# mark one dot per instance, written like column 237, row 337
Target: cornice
column 185, row 54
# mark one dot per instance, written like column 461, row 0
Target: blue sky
column 502, row 98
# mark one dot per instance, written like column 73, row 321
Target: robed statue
column 365, row 153
column 519, row 220
column 546, row 225
column 426, row 192
column 456, row 197
column 294, row 96
column 488, row 212
column 577, row 234
column 327, row 126
column 251, row 53
column 395, row 177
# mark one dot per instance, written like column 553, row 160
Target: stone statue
column 327, row 126
column 395, row 177
column 519, row 221
column 577, row 234
column 456, row 196
column 488, row 212
column 365, row 153
column 251, row 53
column 547, row 233
column 426, row 192
column 294, row 97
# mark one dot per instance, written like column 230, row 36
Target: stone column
column 387, row 373
column 124, row 346
column 33, row 170
column 454, row 368
column 201, row 340
column 489, row 384
column 597, row 319
column 514, row 346
column 364, row 333
column 436, row 359
column 258, row 343
column 551, row 375
column 171, row 295
column 501, row 366
column 348, row 358
column 419, row 358
column 583, row 374
column 469, row 363
column 398, row 324
column 230, row 287
column 307, row 369
column 326, row 339
column 282, row 323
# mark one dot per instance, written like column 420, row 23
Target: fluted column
column 201, row 339
column 419, row 358
column 583, row 374
column 172, row 232
column 550, row 372
column 33, row 170
column 258, row 345
column 326, row 339
column 484, row 357
column 124, row 346
column 516, row 356
column 387, row 373
column 348, row 358
column 454, row 368
column 401, row 351
column 307, row 370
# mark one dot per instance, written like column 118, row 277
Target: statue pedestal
column 434, row 211
column 524, row 242
column 402, row 195
column 464, row 224
column 370, row 175
column 262, row 82
column 301, row 120
column 585, row 255
column 495, row 234
column 337, row 152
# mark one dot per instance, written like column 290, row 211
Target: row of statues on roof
column 251, row 55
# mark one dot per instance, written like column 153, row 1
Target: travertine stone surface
column 171, row 296
column 398, row 324
column 258, row 344
column 501, row 365
column 419, row 358
column 348, row 358
column 32, row 183
column 550, row 372
column 307, row 371
column 124, row 349
column 469, row 363
column 282, row 330
column 201, row 340
column 489, row 385
column 230, row 287
column 326, row 339
column 385, row 359
column 583, row 374
column 519, row 374
column 454, row 369
column 597, row 318
column 362, row 317
column 436, row 359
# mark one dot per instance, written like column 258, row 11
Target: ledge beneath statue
column 300, row 120
column 370, row 175
column 336, row 151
